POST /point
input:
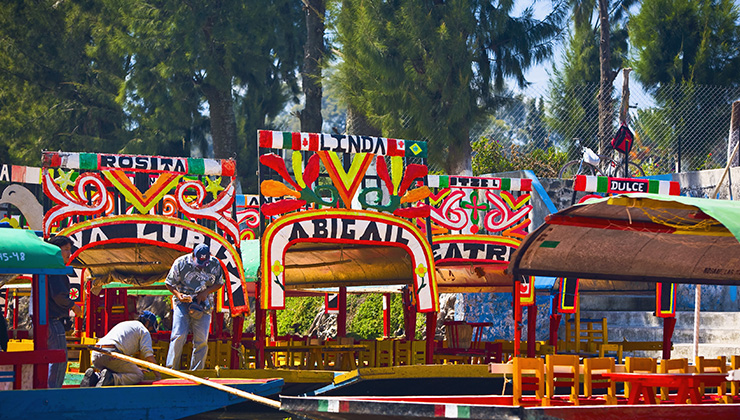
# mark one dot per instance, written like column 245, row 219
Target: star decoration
column 214, row 186
column 64, row 180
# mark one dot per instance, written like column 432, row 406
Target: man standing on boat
column 129, row 338
column 59, row 306
column 192, row 280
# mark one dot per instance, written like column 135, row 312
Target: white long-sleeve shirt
column 130, row 338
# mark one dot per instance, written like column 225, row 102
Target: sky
column 538, row 75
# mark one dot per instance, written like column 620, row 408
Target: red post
column 87, row 305
column 40, row 320
column 386, row 315
column 668, row 325
column 15, row 310
column 237, row 324
column 259, row 329
column 554, row 322
column 409, row 314
column 431, row 335
column 342, row 316
column 517, row 320
column 273, row 325
column 531, row 330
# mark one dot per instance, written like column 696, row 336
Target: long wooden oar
column 178, row 374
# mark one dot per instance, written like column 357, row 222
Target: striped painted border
column 505, row 184
column 139, row 163
column 315, row 142
column 20, row 174
column 602, row 184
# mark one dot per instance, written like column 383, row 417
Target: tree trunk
column 605, row 78
column 357, row 124
column 459, row 155
column 311, row 120
column 223, row 120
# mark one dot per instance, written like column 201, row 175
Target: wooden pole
column 176, row 373
column 724, row 174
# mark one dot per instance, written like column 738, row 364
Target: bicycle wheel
column 577, row 167
column 617, row 169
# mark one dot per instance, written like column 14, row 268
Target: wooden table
column 643, row 384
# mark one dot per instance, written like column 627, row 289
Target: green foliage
column 677, row 41
column 299, row 314
column 492, row 157
column 365, row 315
column 679, row 45
column 58, row 80
column 428, row 70
column 573, row 105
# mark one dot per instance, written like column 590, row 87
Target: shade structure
column 23, row 252
column 637, row 238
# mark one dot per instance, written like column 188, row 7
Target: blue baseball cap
column 202, row 254
column 149, row 317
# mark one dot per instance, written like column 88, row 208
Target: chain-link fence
column 676, row 128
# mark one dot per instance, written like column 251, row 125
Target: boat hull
column 144, row 402
column 395, row 408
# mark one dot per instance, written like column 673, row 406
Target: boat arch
column 145, row 245
column 345, row 226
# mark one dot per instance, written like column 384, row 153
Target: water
column 246, row 411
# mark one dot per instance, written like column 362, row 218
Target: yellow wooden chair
column 593, row 378
column 366, row 357
column 718, row 365
column 402, row 352
column 638, row 365
column 563, row 370
column 529, row 375
column 734, row 386
column 418, row 354
column 384, row 353
column 672, row 366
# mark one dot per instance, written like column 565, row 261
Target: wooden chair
column 402, row 352
column 593, row 378
column 418, row 354
column 638, row 364
column 563, row 370
column 611, row 347
column 672, row 366
column 718, row 365
column 367, row 357
column 384, row 353
column 529, row 375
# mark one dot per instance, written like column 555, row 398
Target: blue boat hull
column 144, row 402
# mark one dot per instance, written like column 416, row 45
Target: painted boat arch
column 341, row 226
column 161, row 232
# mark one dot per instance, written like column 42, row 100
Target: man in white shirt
column 130, row 338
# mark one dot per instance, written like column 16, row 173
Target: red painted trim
column 597, row 223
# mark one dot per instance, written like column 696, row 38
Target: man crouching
column 129, row 338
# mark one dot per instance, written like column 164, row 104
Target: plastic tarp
column 23, row 252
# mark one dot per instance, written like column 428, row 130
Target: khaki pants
column 124, row 373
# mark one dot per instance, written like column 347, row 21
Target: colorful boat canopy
column 23, row 252
column 637, row 237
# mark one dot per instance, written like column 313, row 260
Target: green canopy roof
column 22, row 252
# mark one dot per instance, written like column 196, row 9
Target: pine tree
column 430, row 69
